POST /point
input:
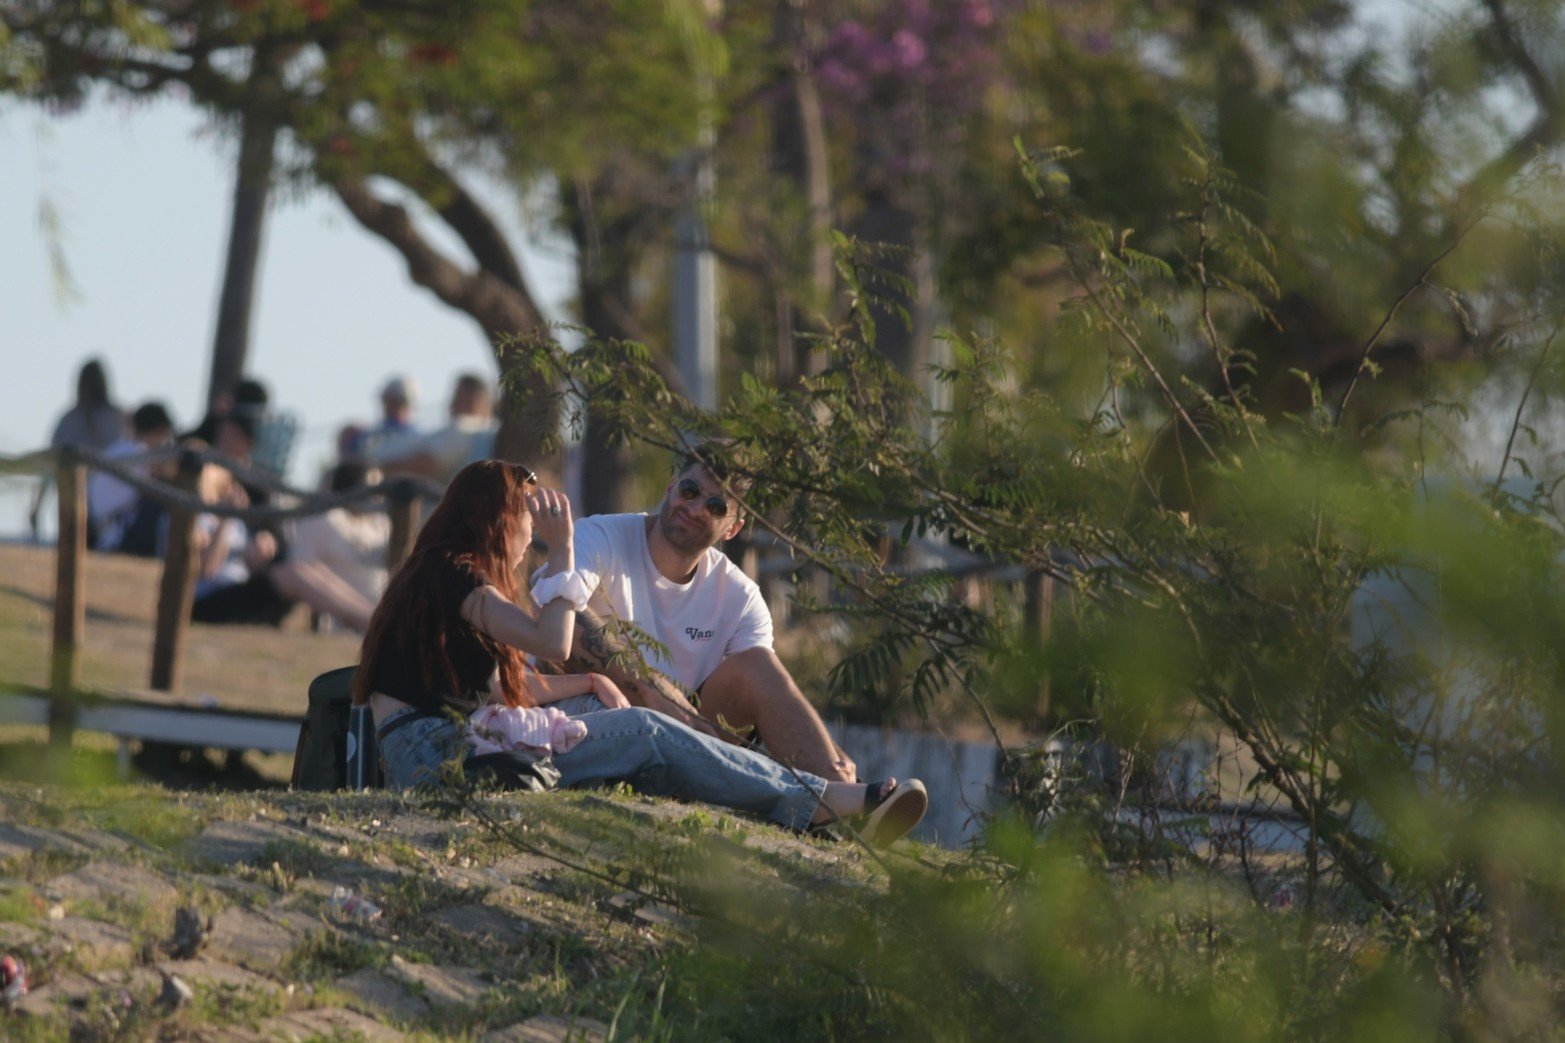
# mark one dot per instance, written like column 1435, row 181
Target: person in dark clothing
column 248, row 398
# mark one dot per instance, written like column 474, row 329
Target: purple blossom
column 912, row 75
column 910, row 50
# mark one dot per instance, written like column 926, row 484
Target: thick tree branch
column 1543, row 92
column 470, row 221
column 1544, row 133
column 495, row 304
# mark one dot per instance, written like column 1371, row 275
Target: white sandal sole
column 899, row 813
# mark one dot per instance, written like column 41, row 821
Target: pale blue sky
column 143, row 196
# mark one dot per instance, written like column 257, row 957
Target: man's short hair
column 716, row 455
column 471, row 383
column 400, row 388
column 150, row 418
column 250, row 396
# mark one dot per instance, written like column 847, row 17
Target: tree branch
column 470, row 221
column 1369, row 345
column 495, row 304
column 1543, row 92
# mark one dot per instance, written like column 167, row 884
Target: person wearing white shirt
column 349, row 541
column 664, row 573
column 441, row 453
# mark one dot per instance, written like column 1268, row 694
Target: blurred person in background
column 247, row 576
column 440, row 454
column 119, row 518
column 350, row 541
column 274, row 431
column 94, row 422
column 249, row 396
column 398, row 400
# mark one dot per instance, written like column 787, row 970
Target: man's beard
column 683, row 540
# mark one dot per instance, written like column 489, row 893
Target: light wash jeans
column 652, row 752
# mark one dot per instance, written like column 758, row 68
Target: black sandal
column 893, row 808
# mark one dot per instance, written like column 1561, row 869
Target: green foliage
column 1204, row 412
column 1382, row 646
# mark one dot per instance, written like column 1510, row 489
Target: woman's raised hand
column 552, row 524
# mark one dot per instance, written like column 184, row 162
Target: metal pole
column 695, row 286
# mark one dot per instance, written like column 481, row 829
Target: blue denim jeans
column 654, row 753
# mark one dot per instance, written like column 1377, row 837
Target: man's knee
column 758, row 658
column 748, row 672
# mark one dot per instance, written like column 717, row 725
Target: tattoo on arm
column 598, row 648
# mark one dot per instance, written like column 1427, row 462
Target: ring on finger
column 554, row 512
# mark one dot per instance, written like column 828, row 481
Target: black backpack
column 337, row 740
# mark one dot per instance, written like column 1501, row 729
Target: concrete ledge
column 131, row 717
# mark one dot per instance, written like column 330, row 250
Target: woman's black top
column 399, row 669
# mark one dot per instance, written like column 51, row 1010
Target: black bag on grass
column 530, row 771
column 337, row 740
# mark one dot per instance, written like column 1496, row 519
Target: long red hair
column 472, row 526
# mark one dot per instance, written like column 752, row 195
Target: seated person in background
column 246, row 577
column 397, row 401
column 248, row 398
column 271, row 433
column 350, row 541
column 118, row 517
column 440, row 454
column 94, row 422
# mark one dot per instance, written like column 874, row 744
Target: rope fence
column 135, row 472
column 178, row 495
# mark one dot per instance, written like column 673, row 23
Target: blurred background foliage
column 1231, row 324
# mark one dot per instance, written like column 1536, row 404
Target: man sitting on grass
column 664, row 573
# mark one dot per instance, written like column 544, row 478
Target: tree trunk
column 603, row 279
column 800, row 155
column 252, row 186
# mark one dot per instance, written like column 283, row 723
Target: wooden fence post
column 404, row 522
column 177, row 591
column 70, row 607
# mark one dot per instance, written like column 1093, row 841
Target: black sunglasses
column 528, row 478
column 690, row 489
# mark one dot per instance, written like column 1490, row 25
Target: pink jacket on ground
column 495, row 729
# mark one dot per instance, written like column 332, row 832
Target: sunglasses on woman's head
column 689, row 490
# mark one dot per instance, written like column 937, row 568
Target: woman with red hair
column 449, row 635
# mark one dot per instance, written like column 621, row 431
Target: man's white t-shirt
column 718, row 613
